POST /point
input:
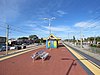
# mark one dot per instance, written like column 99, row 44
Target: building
column 2, row 40
column 52, row 41
column 12, row 41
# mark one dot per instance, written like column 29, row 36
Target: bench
column 37, row 55
column 44, row 56
column 40, row 54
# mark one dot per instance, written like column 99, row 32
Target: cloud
column 61, row 13
column 87, row 24
column 34, row 27
column 58, row 29
column 88, row 28
column 9, row 9
column 34, row 23
column 42, row 31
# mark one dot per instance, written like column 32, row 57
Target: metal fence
column 87, row 47
column 91, row 49
column 95, row 50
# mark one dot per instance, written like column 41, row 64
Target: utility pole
column 7, row 36
column 81, row 39
column 68, row 37
column 94, row 41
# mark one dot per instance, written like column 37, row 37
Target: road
column 13, row 53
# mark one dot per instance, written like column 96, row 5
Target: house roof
column 52, row 36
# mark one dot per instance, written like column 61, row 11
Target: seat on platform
column 40, row 54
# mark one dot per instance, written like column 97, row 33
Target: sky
column 71, row 18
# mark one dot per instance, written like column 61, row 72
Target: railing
column 95, row 50
column 86, row 47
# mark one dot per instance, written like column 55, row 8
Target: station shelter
column 52, row 41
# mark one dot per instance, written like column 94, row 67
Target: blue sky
column 26, row 17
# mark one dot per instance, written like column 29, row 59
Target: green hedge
column 92, row 45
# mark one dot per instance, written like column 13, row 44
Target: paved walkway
column 59, row 62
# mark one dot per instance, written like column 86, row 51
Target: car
column 18, row 47
column 3, row 48
column 12, row 48
column 23, row 46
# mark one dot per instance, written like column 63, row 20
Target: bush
column 93, row 45
column 98, row 46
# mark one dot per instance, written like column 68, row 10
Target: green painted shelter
column 52, row 41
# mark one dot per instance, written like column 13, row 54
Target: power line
column 14, row 29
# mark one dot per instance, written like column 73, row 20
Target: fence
column 87, row 47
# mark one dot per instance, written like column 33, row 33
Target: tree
column 85, row 39
column 34, row 38
column 90, row 39
column 41, row 40
column 23, row 38
column 98, row 39
column 74, row 39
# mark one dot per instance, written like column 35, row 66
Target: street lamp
column 49, row 21
column 94, row 41
column 81, row 39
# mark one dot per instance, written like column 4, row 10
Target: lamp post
column 49, row 21
column 81, row 39
column 94, row 41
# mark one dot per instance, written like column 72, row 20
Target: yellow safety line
column 90, row 61
column 1, row 59
column 89, row 65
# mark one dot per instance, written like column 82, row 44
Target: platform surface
column 59, row 62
